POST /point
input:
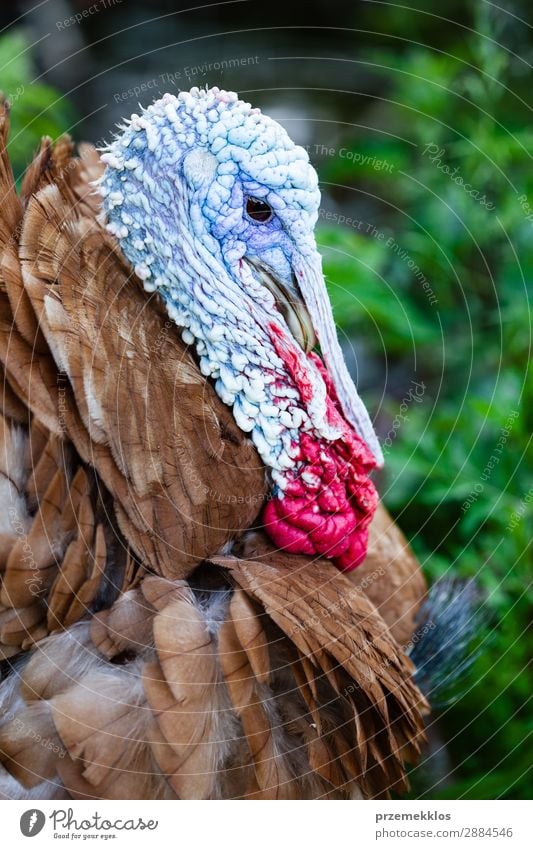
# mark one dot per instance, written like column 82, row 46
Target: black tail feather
column 446, row 641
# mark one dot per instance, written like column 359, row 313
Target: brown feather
column 30, row 746
column 391, row 577
column 103, row 722
column 128, row 625
column 181, row 688
column 243, row 654
column 339, row 631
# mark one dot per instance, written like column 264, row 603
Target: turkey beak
column 295, row 312
column 291, row 305
column 312, row 289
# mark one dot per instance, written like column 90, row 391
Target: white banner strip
column 269, row 825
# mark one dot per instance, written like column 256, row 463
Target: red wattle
column 329, row 500
column 327, row 504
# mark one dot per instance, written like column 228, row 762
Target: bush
column 36, row 109
column 433, row 281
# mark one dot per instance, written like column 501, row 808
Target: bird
column 201, row 595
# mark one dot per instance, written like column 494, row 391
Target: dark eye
column 258, row 210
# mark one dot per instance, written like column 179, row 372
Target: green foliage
column 434, row 282
column 36, row 109
column 458, row 471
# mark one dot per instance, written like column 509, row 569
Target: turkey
column 184, row 482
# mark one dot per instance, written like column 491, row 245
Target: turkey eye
column 258, row 210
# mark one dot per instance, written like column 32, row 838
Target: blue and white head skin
column 215, row 207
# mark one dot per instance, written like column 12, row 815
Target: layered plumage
column 156, row 644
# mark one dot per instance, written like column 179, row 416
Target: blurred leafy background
column 420, row 128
